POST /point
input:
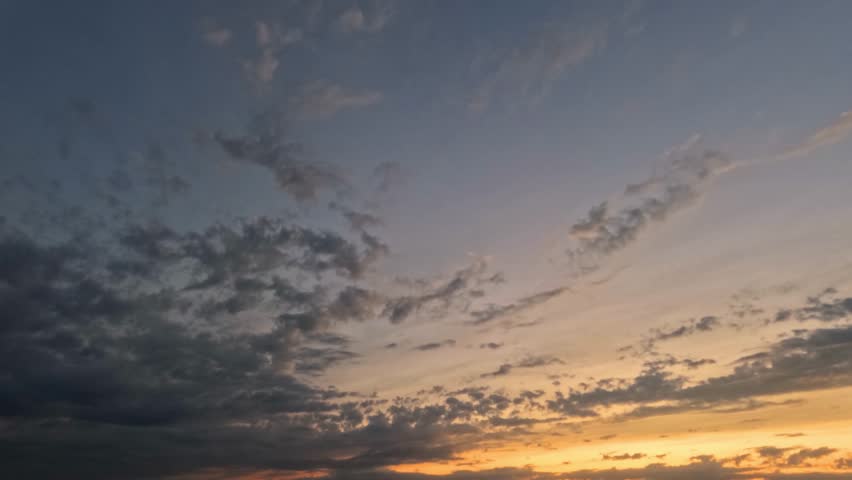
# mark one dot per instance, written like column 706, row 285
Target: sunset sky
column 426, row 240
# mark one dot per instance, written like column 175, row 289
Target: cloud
column 373, row 19
column 739, row 26
column 158, row 171
column 387, row 174
column 530, row 361
column 821, row 307
column 648, row 344
column 689, row 170
column 496, row 312
column 266, row 144
column 133, row 371
column 623, row 456
column 832, row 133
column 358, row 221
column 605, row 231
column 659, row 471
column 214, row 34
column 439, row 298
column 814, row 361
column 262, row 69
column 321, row 99
column 529, row 72
column 271, row 39
column 435, row 345
column 274, row 36
column 805, row 454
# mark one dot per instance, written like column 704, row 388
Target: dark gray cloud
column 487, row 474
column 707, row 470
column 267, row 144
column 531, row 361
column 358, row 221
column 656, row 335
column 497, row 312
column 822, row 307
column 120, row 358
column 623, row 456
column 436, row 345
column 802, row 456
column 605, row 231
column 437, row 299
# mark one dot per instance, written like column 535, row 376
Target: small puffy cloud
column 271, row 39
column 368, row 20
column 214, row 34
column 262, row 69
column 272, row 35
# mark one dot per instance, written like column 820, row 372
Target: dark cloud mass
column 137, row 333
column 304, row 239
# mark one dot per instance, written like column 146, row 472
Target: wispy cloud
column 271, row 39
column 322, row 99
column 528, row 72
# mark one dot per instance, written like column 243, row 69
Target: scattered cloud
column 799, row 364
column 822, row 307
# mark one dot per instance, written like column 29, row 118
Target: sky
column 432, row 240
